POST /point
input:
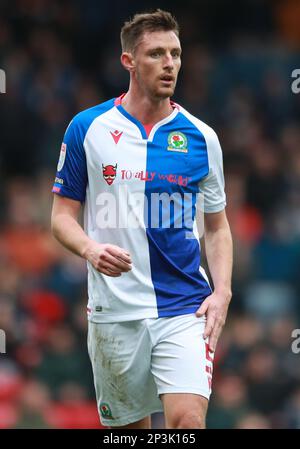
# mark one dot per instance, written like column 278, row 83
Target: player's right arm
column 69, row 193
column 105, row 258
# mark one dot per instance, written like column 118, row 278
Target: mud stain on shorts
column 106, row 358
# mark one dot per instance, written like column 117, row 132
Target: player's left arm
column 218, row 245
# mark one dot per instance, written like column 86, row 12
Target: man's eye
column 155, row 54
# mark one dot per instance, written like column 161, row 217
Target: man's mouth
column 167, row 78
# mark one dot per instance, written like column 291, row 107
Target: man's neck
column 145, row 109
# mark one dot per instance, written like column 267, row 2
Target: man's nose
column 168, row 61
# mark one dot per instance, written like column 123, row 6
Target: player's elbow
column 54, row 225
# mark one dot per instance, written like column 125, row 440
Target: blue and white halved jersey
column 141, row 192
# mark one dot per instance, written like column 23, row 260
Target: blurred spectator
column 267, row 386
column 288, row 17
column 253, row 421
column 32, row 404
column 229, row 402
column 64, row 362
column 292, row 411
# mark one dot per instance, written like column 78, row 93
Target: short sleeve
column 71, row 176
column 212, row 186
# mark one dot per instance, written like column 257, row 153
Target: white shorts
column 135, row 362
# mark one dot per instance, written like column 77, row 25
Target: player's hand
column 215, row 308
column 108, row 259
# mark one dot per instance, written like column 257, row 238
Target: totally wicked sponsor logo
column 140, row 174
column 109, row 173
column 149, row 176
column 174, row 179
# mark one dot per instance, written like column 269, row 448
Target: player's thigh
column 184, row 410
column 144, row 423
column 120, row 356
column 182, row 368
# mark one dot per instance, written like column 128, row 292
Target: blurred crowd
column 61, row 57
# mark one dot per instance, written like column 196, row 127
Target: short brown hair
column 133, row 30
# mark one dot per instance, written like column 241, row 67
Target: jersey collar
column 118, row 104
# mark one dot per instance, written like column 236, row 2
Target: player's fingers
column 119, row 253
column 209, row 326
column 117, row 263
column 214, row 336
column 110, row 273
column 124, row 259
column 109, row 267
column 202, row 309
column 115, row 250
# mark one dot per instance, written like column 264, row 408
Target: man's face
column 157, row 63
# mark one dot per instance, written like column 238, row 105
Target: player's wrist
column 224, row 292
column 87, row 250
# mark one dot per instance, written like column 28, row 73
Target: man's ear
column 127, row 61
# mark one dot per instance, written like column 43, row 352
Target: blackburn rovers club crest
column 105, row 411
column 109, row 173
column 177, row 142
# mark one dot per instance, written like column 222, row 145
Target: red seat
column 82, row 415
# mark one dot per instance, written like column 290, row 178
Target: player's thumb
column 202, row 310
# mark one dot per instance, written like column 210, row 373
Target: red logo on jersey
column 116, row 135
column 109, row 173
